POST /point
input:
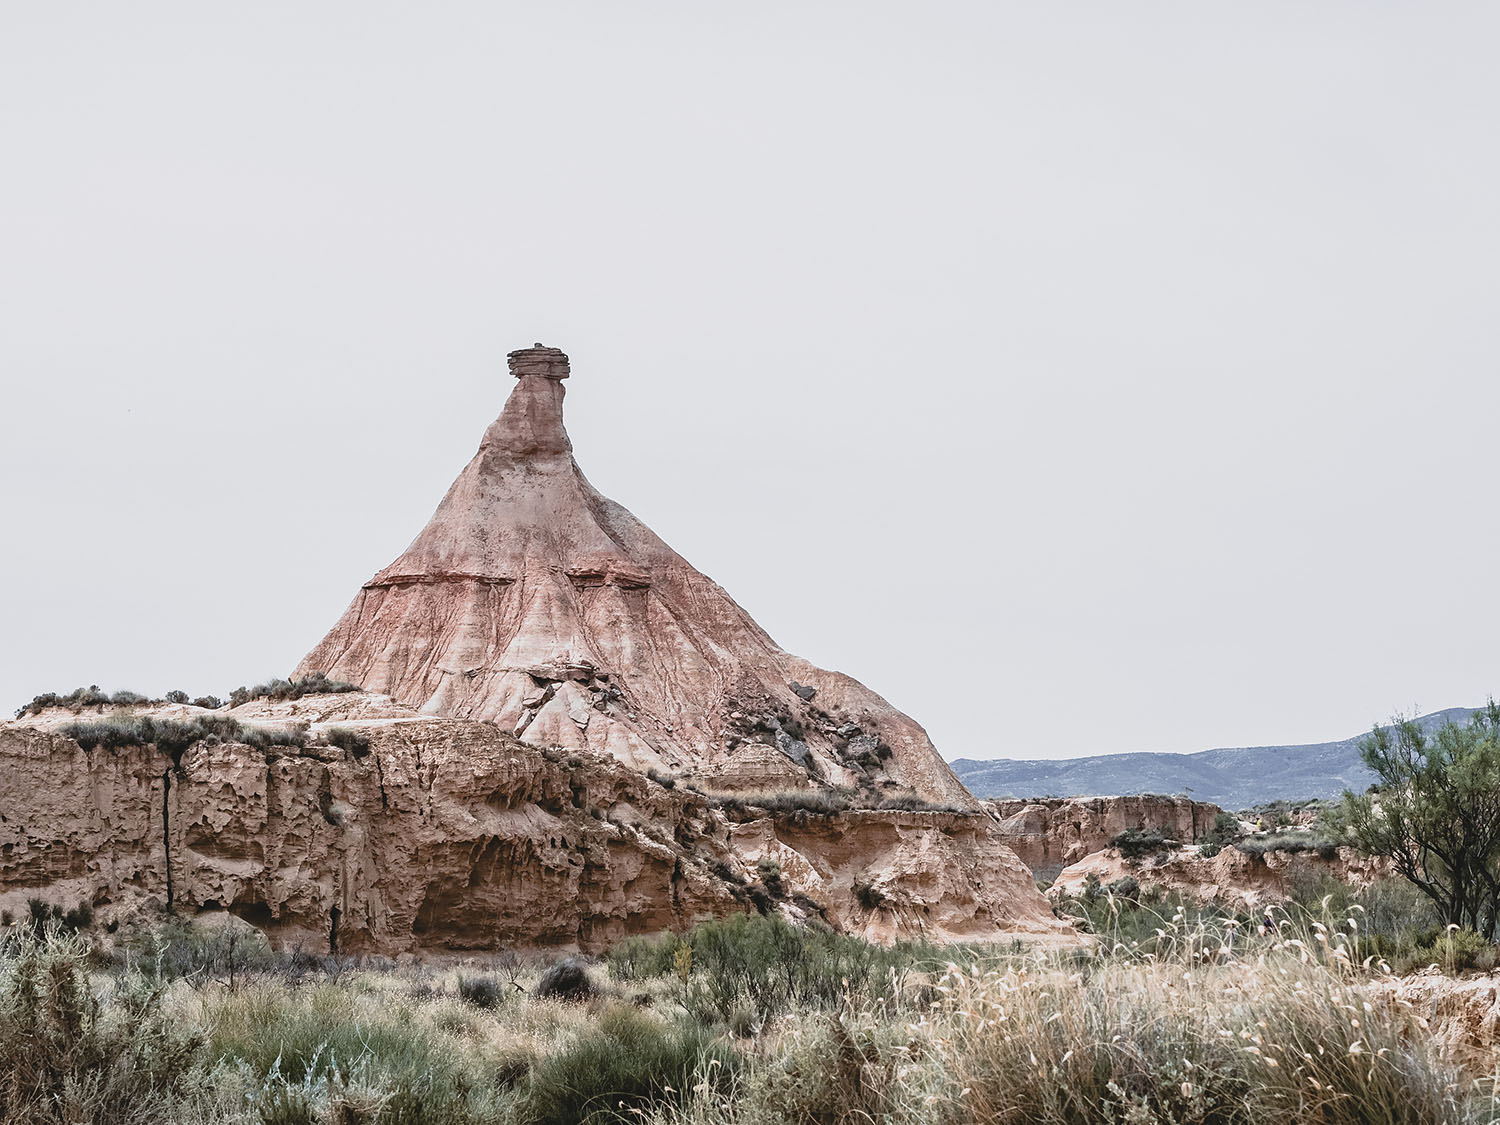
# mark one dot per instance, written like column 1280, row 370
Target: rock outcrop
column 566, row 735
column 532, row 601
column 1231, row 878
column 430, row 834
column 1051, row 834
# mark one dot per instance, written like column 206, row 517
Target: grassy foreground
column 745, row 1021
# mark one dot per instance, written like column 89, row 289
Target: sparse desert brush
column 1136, row 842
column 750, row 1021
column 79, row 698
column 1276, row 1039
column 68, row 1053
column 1292, row 842
column 173, row 736
column 628, row 1061
column 317, row 684
column 817, row 802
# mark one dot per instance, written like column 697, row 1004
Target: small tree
column 1435, row 813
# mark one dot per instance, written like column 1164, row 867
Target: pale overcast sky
column 1082, row 377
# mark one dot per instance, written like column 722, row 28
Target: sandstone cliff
column 1050, row 834
column 531, row 600
column 432, row 834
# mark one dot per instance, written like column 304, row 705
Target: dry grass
column 1189, row 1032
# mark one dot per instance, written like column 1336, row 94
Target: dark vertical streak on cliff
column 166, row 828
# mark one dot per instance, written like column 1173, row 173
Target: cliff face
column 535, row 665
column 452, row 835
column 533, row 601
column 1049, row 835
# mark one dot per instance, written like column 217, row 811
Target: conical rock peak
column 533, row 601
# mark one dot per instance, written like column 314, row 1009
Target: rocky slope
column 1234, row 778
column 1048, row 835
column 446, row 834
column 533, row 601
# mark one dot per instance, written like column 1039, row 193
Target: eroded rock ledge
column 449, row 834
column 1051, row 833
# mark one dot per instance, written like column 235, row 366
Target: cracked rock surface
column 452, row 835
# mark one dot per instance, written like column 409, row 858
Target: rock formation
column 431, row 834
column 566, row 734
column 1231, row 878
column 1050, row 834
column 533, row 601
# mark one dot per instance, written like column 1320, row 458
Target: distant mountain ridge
column 1235, row 777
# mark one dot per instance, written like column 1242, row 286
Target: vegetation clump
column 44, row 917
column 1292, row 842
column 1136, row 842
column 482, row 991
column 1434, row 813
column 173, row 736
column 1226, row 830
column 911, row 802
column 566, row 980
column 626, row 1063
column 317, row 684
column 68, row 1054
column 747, row 1021
column 816, row 802
column 80, row 698
column 350, row 741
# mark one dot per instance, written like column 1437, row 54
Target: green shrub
column 817, row 802
column 770, row 876
column 628, row 1062
column 642, row 958
column 45, row 917
column 79, row 698
column 68, row 1055
column 317, row 684
column 1136, row 842
column 208, row 702
column 1226, row 830
column 484, row 992
column 180, row 949
column 173, row 736
column 1127, row 886
column 1290, row 842
column 841, row 1071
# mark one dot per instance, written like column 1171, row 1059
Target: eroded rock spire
column 532, row 600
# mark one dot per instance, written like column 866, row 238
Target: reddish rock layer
column 533, row 601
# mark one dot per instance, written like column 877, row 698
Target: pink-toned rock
column 533, row 601
column 449, row 835
column 554, row 702
column 1231, row 878
column 1052, row 833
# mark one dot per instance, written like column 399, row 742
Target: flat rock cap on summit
column 550, row 363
